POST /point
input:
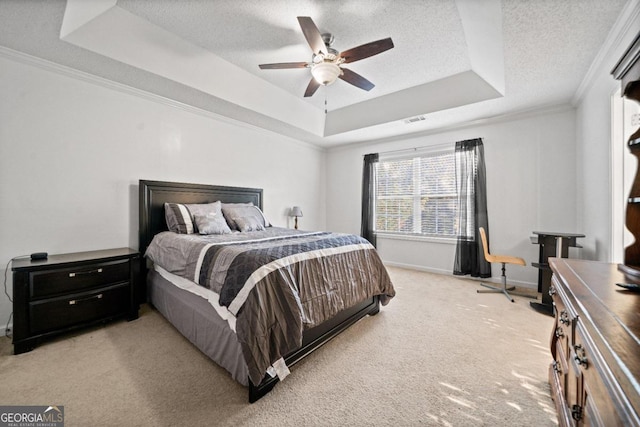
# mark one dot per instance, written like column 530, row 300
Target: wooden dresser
column 595, row 343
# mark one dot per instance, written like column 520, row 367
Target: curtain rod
column 436, row 147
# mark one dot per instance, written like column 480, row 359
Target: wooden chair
column 503, row 259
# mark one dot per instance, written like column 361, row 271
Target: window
column 417, row 195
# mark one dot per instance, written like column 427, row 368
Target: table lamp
column 296, row 212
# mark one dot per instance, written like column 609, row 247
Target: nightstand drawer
column 56, row 313
column 68, row 291
column 75, row 279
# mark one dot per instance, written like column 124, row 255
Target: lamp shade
column 325, row 73
column 295, row 211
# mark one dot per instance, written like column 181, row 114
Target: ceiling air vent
column 414, row 119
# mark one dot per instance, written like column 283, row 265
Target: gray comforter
column 277, row 282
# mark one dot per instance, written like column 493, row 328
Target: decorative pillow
column 212, row 223
column 249, row 224
column 232, row 211
column 178, row 218
column 203, row 209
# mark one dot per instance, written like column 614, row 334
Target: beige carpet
column 438, row 354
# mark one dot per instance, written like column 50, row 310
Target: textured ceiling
column 504, row 56
column 429, row 39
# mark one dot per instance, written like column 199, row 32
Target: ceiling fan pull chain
column 325, row 100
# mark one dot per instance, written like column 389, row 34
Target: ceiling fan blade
column 312, row 34
column 356, row 79
column 282, row 65
column 311, row 88
column 366, row 50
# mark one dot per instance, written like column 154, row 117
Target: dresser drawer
column 596, row 402
column 76, row 279
column 566, row 317
column 564, row 326
column 560, row 371
column 57, row 313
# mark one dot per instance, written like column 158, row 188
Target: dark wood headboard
column 154, row 194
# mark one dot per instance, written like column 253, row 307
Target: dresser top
column 72, row 258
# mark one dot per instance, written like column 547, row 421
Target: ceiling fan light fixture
column 325, row 73
column 326, row 61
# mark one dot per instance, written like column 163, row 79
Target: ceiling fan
column 326, row 62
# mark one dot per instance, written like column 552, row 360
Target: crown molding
column 627, row 20
column 487, row 121
column 73, row 73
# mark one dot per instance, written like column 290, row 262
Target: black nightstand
column 69, row 291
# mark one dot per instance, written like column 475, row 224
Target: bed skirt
column 194, row 318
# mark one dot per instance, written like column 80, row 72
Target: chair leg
column 503, row 289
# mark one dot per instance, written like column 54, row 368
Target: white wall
column 531, row 186
column 594, row 137
column 72, row 149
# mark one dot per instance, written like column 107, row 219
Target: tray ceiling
column 454, row 60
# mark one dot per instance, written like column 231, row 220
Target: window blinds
column 417, row 194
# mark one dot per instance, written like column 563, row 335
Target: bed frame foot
column 376, row 308
column 257, row 392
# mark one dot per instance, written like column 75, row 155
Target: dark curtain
column 368, row 197
column 472, row 209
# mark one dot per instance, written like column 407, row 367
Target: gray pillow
column 178, row 218
column 232, row 211
column 203, row 209
column 212, row 223
column 249, row 224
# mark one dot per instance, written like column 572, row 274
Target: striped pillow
column 178, row 218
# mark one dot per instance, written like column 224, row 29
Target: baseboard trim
column 417, row 267
column 496, row 280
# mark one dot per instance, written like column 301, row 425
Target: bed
column 195, row 310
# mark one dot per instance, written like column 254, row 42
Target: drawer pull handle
column 557, row 367
column 552, row 290
column 581, row 356
column 564, row 317
column 576, row 412
column 76, row 301
column 559, row 333
column 99, row 270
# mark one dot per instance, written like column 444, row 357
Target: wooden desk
column 552, row 244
